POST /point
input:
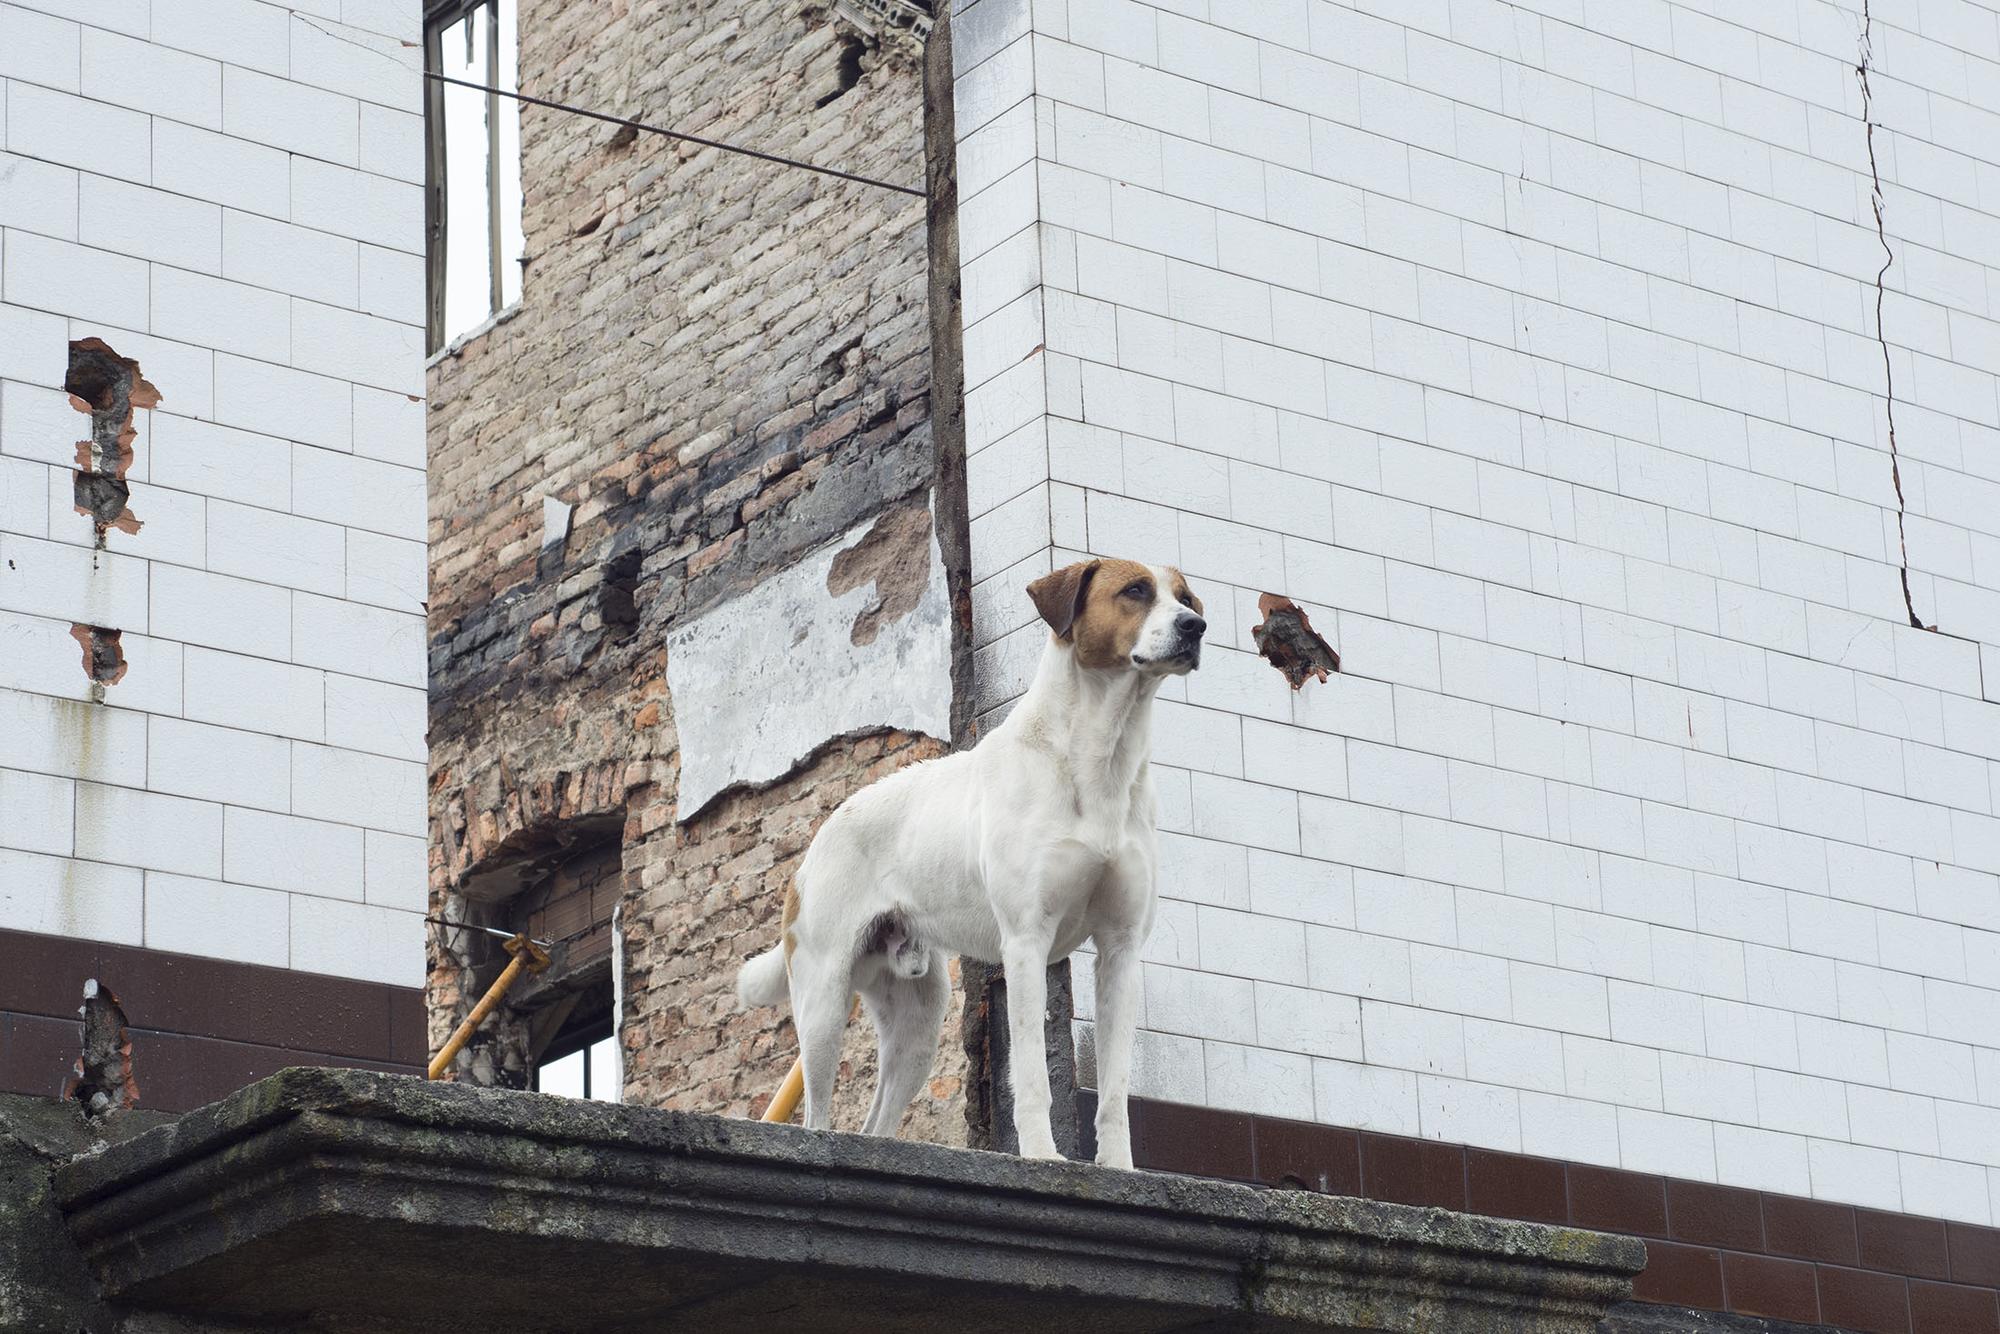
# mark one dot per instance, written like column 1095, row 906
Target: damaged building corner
column 1286, row 639
column 108, row 389
column 664, row 650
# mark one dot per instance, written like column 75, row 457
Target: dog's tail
column 762, row 979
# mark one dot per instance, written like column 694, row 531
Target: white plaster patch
column 761, row 681
column 555, row 522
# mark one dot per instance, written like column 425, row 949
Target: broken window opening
column 618, row 596
column 472, row 194
column 848, row 73
column 581, row 1060
column 559, row 882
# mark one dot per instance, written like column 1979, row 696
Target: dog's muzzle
column 1186, row 647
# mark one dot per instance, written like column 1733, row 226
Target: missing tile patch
column 108, row 389
column 101, row 1079
column 103, row 656
column 1287, row 640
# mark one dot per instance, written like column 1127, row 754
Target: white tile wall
column 1532, row 347
column 230, row 193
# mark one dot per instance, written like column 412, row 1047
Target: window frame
column 579, row 1039
column 440, row 15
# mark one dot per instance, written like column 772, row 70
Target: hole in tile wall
column 1285, row 638
column 103, row 656
column 108, row 389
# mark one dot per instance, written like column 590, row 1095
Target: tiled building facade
column 1533, row 349
column 211, row 536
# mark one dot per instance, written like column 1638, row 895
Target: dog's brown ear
column 1059, row 596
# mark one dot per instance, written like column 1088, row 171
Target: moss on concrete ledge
column 44, row 1284
column 348, row 1200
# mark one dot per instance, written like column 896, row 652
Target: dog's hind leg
column 907, row 1012
column 819, row 1013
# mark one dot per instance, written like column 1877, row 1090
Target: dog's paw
column 1042, row 1151
column 1122, row 1161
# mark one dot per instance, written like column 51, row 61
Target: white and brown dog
column 1014, row 852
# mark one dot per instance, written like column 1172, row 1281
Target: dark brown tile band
column 201, row 1027
column 1709, row 1247
column 1611, row 1200
column 1974, row 1254
column 1902, row 1244
column 1715, row 1216
column 1767, row 1285
column 175, row 1072
column 1535, row 1189
column 1810, row 1229
column 1953, row 1307
column 1302, row 1157
column 1868, row 1302
column 1677, row 1275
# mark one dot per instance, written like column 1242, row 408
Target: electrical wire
column 675, row 134
column 502, row 934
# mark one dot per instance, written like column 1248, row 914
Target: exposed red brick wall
column 722, row 364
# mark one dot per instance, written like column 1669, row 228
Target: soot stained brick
column 723, row 364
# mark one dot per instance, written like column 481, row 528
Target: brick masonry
column 720, row 365
column 179, row 183
column 1533, row 349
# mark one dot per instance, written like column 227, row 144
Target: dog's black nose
column 1190, row 624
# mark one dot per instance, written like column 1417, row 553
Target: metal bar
column 676, row 134
column 493, row 287
column 490, row 930
column 434, row 195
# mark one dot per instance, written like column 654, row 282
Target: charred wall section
column 720, row 370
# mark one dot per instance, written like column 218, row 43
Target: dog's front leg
column 1117, row 1017
column 1027, row 963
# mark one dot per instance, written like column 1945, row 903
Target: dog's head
column 1119, row 615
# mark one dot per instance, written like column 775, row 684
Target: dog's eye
column 1186, row 600
column 1137, row 590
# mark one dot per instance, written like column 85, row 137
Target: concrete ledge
column 349, row 1200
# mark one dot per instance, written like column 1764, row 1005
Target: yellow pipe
column 528, row 957
column 786, row 1100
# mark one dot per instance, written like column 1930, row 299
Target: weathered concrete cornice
column 349, row 1200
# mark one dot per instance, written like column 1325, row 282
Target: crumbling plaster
column 764, row 680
